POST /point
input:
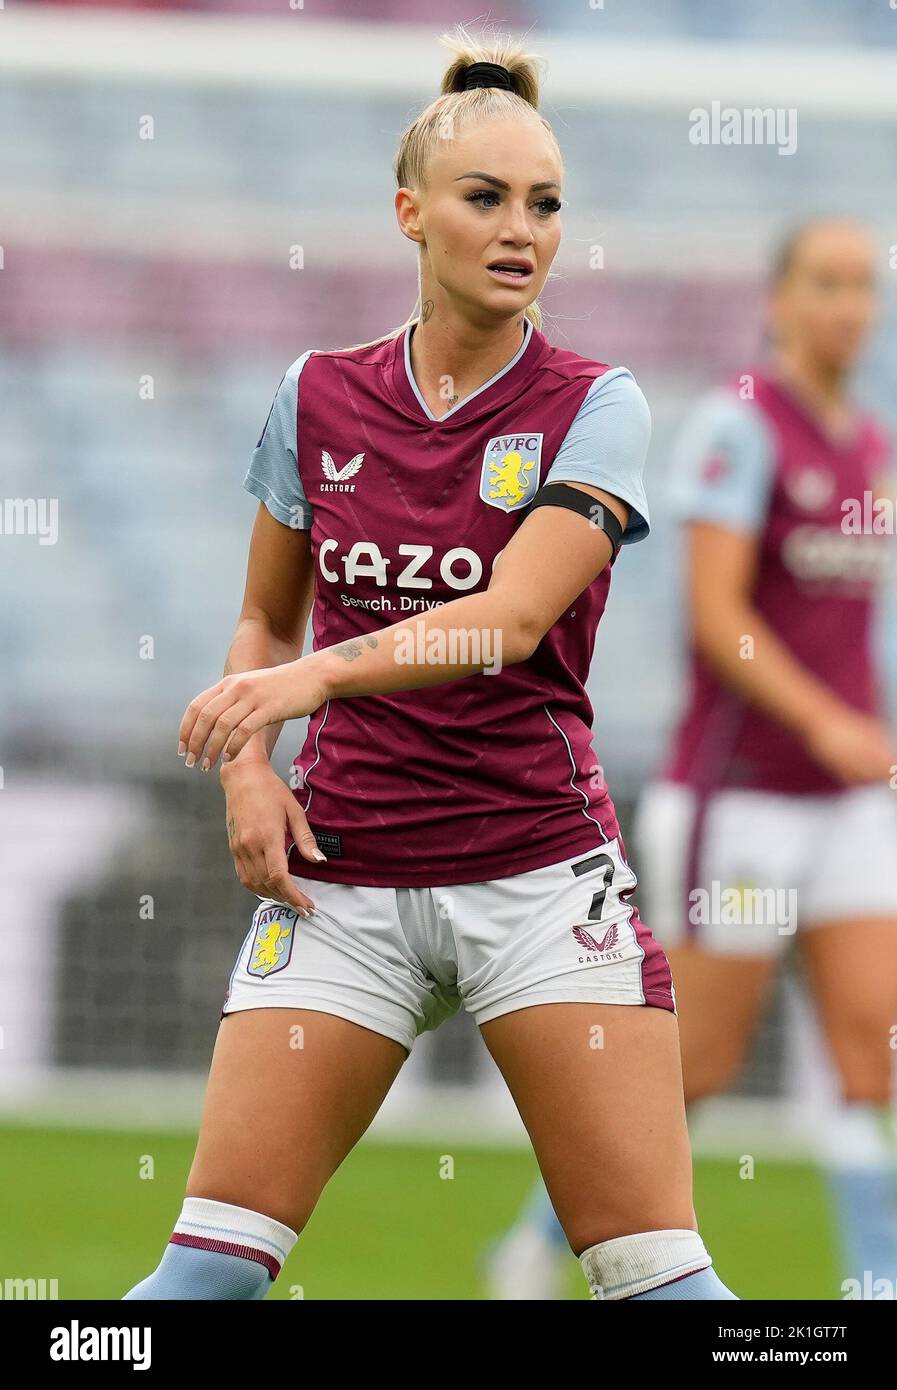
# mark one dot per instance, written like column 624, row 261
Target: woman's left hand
column 229, row 713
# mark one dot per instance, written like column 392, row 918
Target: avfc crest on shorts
column 509, row 478
column 272, row 940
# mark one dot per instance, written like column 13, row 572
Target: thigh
column 719, row 1000
column 318, row 1017
column 852, row 971
column 599, row 1088
column 849, row 934
column 290, row 1092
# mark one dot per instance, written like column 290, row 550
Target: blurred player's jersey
column 491, row 775
column 765, row 466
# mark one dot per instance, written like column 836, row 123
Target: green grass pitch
column 389, row 1226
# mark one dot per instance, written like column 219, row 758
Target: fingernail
column 204, row 765
column 190, row 760
column 182, row 748
column 316, row 854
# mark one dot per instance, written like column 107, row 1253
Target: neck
column 451, row 356
column 810, row 378
column 821, row 390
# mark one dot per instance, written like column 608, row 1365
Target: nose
column 516, row 226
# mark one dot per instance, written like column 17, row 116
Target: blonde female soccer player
column 456, row 493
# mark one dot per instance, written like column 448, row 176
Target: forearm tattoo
column 350, row 650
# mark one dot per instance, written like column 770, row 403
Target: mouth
column 514, row 271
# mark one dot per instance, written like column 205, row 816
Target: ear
column 408, row 215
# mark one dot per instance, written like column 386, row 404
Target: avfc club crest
column 272, row 941
column 811, row 489
column 509, row 478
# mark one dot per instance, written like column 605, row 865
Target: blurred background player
column 776, row 810
column 781, row 774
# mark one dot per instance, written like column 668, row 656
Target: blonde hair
column 455, row 108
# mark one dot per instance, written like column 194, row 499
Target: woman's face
column 825, row 303
column 492, row 196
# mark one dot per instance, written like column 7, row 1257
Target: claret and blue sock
column 218, row 1251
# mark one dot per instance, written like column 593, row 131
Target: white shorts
column 401, row 960
column 739, row 872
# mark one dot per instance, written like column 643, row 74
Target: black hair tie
column 486, row 75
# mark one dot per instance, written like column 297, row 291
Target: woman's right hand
column 260, row 808
column 852, row 746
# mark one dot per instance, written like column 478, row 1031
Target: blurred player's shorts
column 401, row 960
column 738, row 873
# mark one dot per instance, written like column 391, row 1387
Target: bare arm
column 553, row 556
column 735, row 639
column 276, row 603
column 260, row 808
column 750, row 658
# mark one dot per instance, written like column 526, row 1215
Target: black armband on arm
column 562, row 495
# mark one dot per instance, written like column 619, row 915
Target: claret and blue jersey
column 490, row 775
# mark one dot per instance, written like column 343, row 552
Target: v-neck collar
column 810, row 417
column 438, row 419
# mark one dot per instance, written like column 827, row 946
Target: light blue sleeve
column 273, row 475
column 606, row 446
column 722, row 464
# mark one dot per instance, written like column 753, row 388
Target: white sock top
column 621, row 1268
column 216, row 1224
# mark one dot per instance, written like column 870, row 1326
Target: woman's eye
column 545, row 206
column 480, row 194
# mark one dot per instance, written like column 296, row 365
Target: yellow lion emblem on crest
column 269, row 947
column 508, row 478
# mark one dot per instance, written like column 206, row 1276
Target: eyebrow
column 500, row 183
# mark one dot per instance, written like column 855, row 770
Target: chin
column 841, row 361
